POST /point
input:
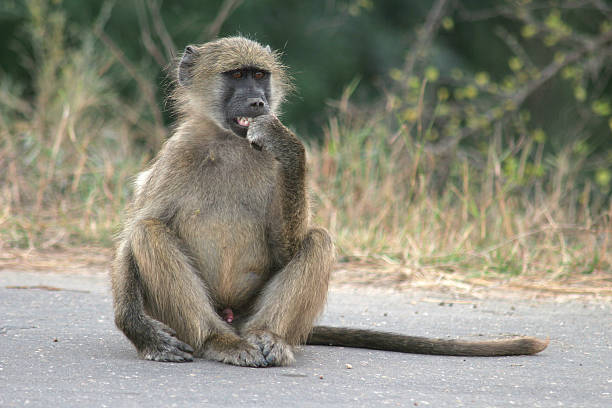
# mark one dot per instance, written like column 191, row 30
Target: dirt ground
column 379, row 274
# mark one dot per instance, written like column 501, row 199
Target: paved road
column 60, row 349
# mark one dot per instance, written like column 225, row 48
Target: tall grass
column 69, row 146
column 66, row 146
column 380, row 193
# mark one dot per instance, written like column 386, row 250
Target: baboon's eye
column 237, row 74
column 259, row 74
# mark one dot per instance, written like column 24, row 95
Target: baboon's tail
column 369, row 339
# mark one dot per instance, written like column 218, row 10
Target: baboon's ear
column 185, row 66
column 268, row 49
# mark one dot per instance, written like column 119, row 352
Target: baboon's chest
column 227, row 230
column 232, row 257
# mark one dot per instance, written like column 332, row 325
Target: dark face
column 246, row 96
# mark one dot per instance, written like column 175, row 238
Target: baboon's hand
column 275, row 350
column 262, row 129
column 165, row 346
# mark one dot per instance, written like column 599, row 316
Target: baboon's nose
column 256, row 102
column 257, row 106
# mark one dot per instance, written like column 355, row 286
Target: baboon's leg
column 176, row 295
column 153, row 340
column 289, row 304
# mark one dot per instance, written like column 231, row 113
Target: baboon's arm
column 369, row 339
column 268, row 133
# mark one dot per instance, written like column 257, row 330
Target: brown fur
column 217, row 224
column 338, row 336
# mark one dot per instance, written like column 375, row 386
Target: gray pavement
column 59, row 348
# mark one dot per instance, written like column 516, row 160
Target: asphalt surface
column 59, row 348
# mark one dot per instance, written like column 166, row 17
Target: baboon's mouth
column 243, row 121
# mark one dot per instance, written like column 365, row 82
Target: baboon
column 217, row 257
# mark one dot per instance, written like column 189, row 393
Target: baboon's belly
column 233, row 260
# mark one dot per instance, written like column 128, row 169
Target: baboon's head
column 230, row 80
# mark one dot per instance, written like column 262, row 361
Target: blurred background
column 466, row 137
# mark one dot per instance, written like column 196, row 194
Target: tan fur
column 223, row 55
column 222, row 222
column 218, row 224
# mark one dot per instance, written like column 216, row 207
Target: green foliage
column 554, row 64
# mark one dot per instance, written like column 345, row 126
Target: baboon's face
column 246, row 95
column 230, row 81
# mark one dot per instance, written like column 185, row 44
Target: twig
column 145, row 34
column 160, row 29
column 426, row 34
column 143, row 83
column 510, row 11
column 514, row 45
column 565, row 290
column 519, row 97
column 420, row 109
column 518, row 237
column 553, row 68
column 225, row 10
column 59, row 136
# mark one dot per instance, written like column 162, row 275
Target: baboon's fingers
column 169, row 356
column 167, row 347
column 185, row 347
column 169, row 352
column 173, row 340
column 180, row 346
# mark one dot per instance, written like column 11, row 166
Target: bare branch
column 514, row 45
column 227, row 8
column 160, row 29
column 553, row 68
column 509, row 11
column 602, row 6
column 145, row 34
column 144, row 85
column 598, row 45
column 426, row 34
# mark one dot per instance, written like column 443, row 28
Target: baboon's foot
column 231, row 349
column 275, row 350
column 164, row 346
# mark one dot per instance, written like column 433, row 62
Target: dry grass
column 378, row 194
column 399, row 212
column 68, row 150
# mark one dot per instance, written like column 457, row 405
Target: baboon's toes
column 236, row 351
column 274, row 349
column 252, row 358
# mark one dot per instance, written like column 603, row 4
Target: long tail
column 376, row 340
